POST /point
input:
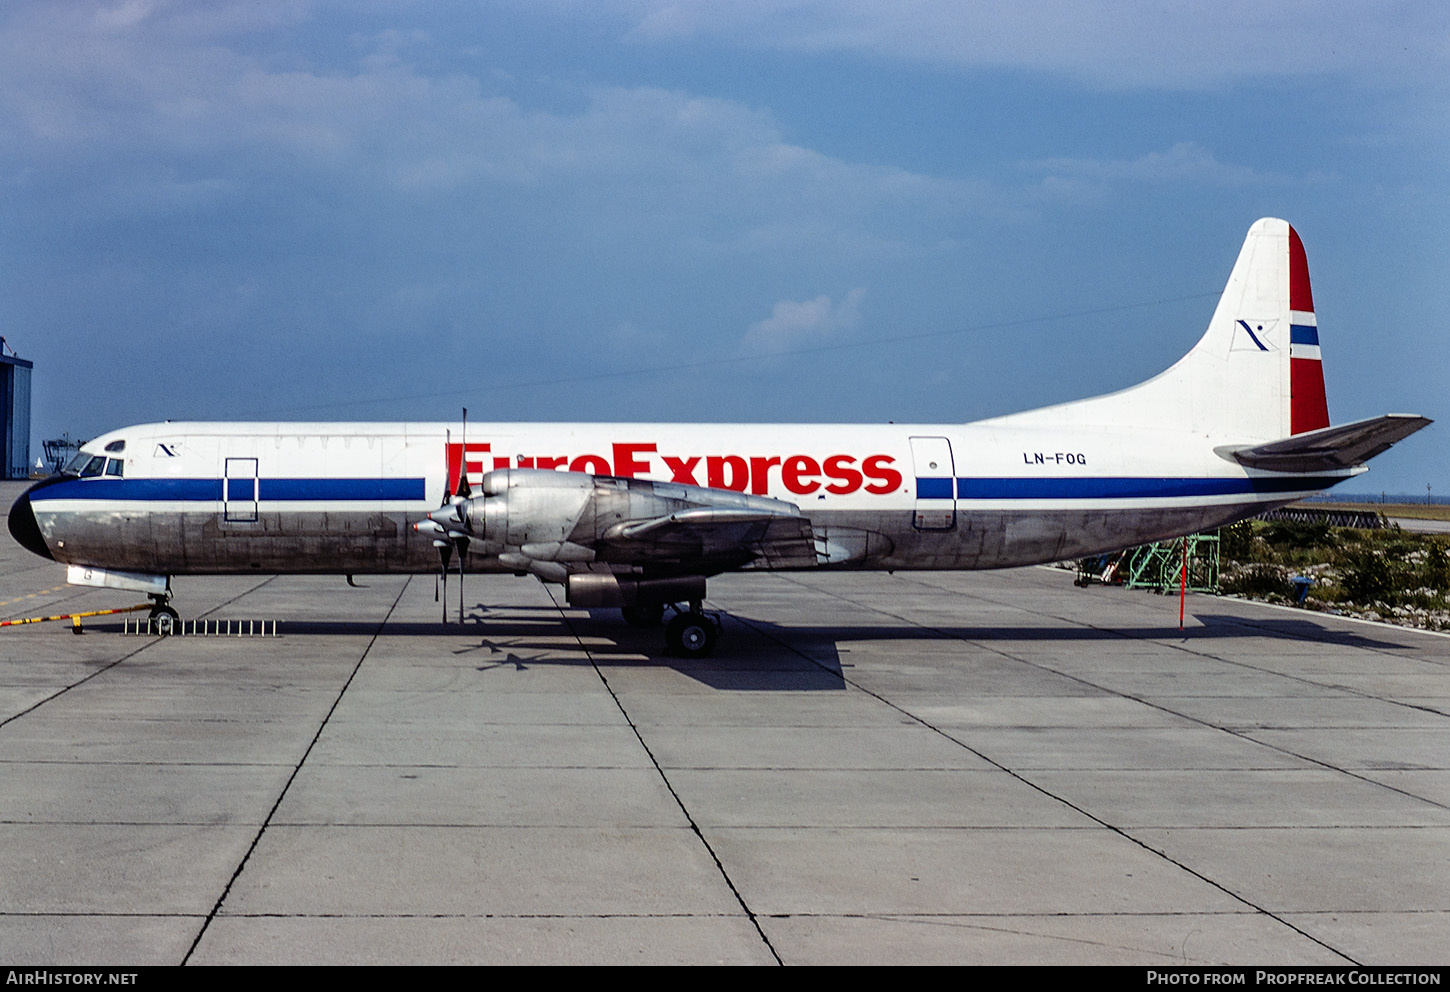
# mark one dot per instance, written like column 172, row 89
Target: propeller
column 465, row 493
column 449, row 525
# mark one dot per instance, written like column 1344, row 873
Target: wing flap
column 1330, row 448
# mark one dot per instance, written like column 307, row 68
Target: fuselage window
column 116, row 467
column 115, row 447
column 94, row 467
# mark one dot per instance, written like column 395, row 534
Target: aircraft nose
column 24, row 527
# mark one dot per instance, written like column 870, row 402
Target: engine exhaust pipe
column 600, row 589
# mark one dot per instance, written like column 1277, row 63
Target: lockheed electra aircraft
column 639, row 516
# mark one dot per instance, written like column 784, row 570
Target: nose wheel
column 164, row 621
column 692, row 634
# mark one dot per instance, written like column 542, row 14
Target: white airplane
column 639, row 516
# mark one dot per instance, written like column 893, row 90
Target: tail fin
column 1308, row 409
column 1255, row 375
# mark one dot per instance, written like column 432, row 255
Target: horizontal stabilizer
column 1329, row 448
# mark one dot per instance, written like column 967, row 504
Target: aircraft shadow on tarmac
column 755, row 655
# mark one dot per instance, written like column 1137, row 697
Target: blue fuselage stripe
column 1128, row 488
column 934, row 488
column 210, row 490
column 342, row 489
column 370, row 490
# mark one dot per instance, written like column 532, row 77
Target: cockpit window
column 116, row 447
column 77, row 463
column 116, row 467
column 94, row 466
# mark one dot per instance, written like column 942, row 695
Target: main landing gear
column 643, row 616
column 691, row 633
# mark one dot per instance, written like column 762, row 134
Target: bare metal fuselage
column 343, row 498
column 622, row 511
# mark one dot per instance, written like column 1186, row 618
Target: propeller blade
column 448, row 475
column 445, row 555
column 465, row 491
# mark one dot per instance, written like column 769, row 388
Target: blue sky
column 637, row 210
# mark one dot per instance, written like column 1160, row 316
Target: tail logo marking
column 1264, row 327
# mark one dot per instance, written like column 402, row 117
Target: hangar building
column 15, row 400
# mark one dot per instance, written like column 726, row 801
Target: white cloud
column 1105, row 42
column 124, row 15
column 793, row 324
column 170, row 105
column 1183, row 164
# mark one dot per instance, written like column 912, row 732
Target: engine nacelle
column 561, row 516
column 535, row 508
column 602, row 536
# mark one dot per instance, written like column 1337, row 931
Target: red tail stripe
column 1308, row 410
column 1300, row 295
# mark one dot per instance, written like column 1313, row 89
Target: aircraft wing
column 763, row 538
column 555, row 523
column 1329, row 448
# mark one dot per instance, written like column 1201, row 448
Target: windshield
column 77, row 463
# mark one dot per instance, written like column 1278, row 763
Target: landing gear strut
column 643, row 616
column 692, row 633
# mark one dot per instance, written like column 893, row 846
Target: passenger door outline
column 936, row 484
column 239, row 490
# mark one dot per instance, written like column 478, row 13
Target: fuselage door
column 936, row 484
column 239, row 490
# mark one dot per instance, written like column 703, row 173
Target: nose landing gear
column 164, row 620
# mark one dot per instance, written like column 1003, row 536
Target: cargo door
column 936, row 484
column 239, row 490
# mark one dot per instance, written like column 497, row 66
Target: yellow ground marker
column 75, row 618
